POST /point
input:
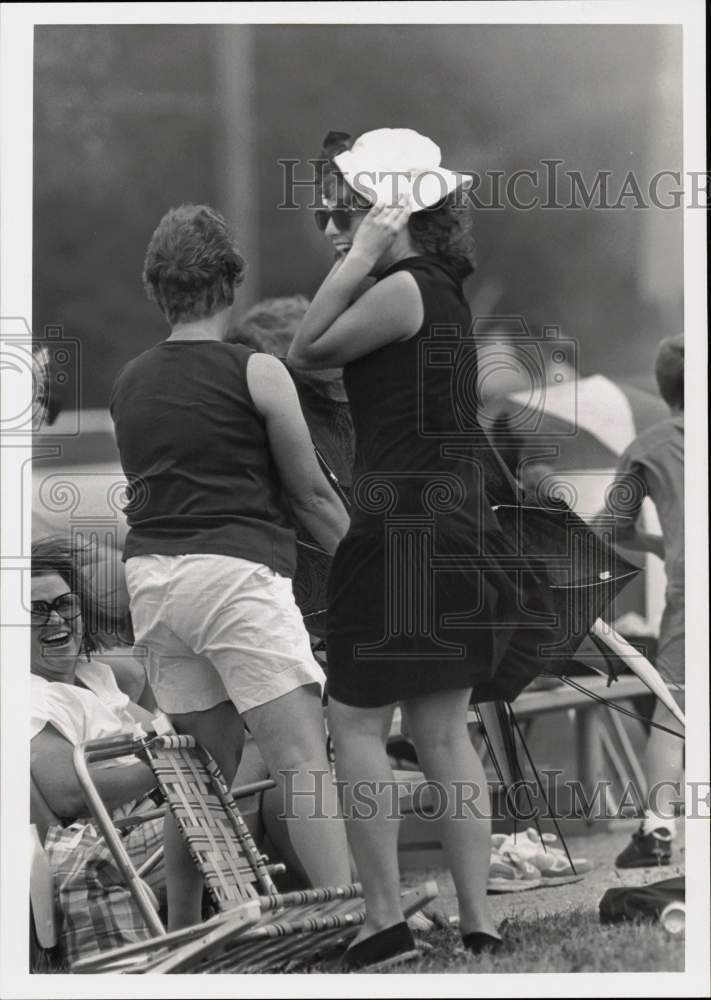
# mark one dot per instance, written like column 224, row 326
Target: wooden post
column 237, row 166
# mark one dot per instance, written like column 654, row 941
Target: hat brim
column 379, row 185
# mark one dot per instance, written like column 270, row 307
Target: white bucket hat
column 389, row 163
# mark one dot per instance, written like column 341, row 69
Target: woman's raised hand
column 379, row 228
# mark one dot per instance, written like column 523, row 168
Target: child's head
column 669, row 369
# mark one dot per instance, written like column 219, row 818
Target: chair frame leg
column 103, row 820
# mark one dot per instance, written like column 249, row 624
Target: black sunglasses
column 67, row 606
column 342, row 217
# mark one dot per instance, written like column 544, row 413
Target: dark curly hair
column 192, row 265
column 444, row 230
column 74, row 563
column 669, row 369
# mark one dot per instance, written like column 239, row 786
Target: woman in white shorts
column 219, row 461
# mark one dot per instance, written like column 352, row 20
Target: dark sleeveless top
column 420, row 450
column 419, row 599
column 196, row 451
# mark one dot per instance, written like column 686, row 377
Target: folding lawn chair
column 47, row 929
column 257, row 928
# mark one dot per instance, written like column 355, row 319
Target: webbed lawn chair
column 257, row 928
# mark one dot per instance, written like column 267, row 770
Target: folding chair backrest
column 218, row 839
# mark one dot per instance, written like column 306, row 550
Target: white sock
column 653, row 822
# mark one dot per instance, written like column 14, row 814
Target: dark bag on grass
column 641, row 901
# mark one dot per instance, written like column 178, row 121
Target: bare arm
column 53, row 770
column 640, row 541
column 336, row 329
column 129, row 674
column 621, row 514
column 314, row 504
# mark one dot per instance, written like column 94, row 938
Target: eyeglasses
column 67, row 606
column 342, row 217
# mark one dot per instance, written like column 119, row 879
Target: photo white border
column 16, row 68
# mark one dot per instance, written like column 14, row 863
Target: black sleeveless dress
column 420, row 597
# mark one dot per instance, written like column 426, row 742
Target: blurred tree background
column 131, row 120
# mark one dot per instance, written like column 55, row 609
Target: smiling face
column 342, row 238
column 54, row 645
column 351, row 208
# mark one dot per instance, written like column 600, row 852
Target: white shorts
column 217, row 628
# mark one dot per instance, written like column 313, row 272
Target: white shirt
column 77, row 713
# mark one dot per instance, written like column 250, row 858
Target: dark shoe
column 395, row 943
column 478, row 942
column 646, row 850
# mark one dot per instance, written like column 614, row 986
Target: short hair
column 57, row 554
column 270, row 325
column 444, row 230
column 669, row 370
column 192, row 265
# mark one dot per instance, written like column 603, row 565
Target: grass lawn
column 558, row 929
column 570, row 942
column 551, row 929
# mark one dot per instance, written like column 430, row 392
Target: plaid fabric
column 96, row 910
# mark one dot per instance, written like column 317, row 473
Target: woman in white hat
column 415, row 586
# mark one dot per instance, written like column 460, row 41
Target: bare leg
column 290, row 734
column 251, row 768
column 439, row 729
column 359, row 737
column 264, row 815
column 263, row 812
column 221, row 732
column 664, row 762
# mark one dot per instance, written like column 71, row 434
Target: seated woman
column 75, row 698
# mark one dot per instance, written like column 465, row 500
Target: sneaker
column 555, row 869
column 646, row 850
column 510, row 873
column 526, row 843
column 552, row 862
